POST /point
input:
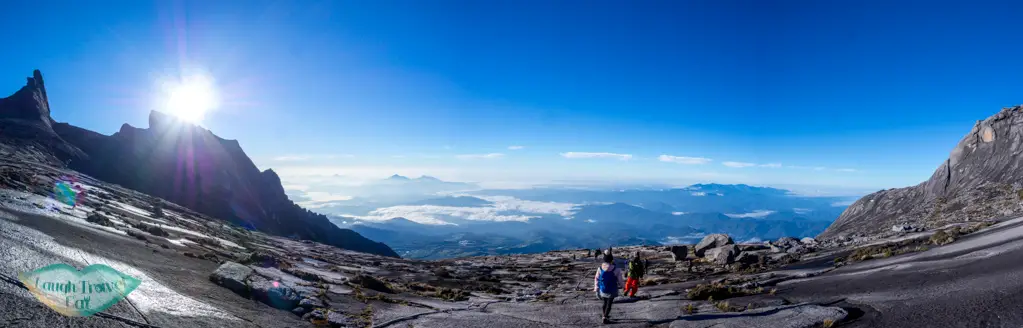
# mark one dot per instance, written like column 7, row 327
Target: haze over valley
column 428, row 218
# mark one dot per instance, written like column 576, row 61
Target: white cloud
column 573, row 154
column 754, row 214
column 297, row 158
column 295, row 187
column 503, row 209
column 771, row 165
column 515, row 147
column 678, row 213
column 845, row 170
column 802, row 210
column 737, row 164
column 480, row 156
column 319, row 199
column 683, row 159
column 291, row 158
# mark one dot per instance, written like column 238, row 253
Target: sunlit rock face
column 981, row 179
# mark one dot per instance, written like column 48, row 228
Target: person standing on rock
column 637, row 268
column 605, row 284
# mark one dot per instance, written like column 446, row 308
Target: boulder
column 786, row 242
column 232, row 276
column 138, row 234
column 157, row 231
column 99, row 219
column 310, row 303
column 750, row 258
column 712, row 241
column 808, row 241
column 274, row 293
column 679, row 253
column 722, row 255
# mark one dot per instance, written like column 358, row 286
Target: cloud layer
column 480, row 156
column 738, row 164
column 751, row 215
column 299, row 158
column 683, row 159
column 502, row 209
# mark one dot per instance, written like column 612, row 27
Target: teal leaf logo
column 76, row 293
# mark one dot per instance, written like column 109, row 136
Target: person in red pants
column 636, row 270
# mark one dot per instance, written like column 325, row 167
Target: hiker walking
column 605, row 284
column 637, row 268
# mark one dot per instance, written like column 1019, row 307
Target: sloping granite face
column 174, row 160
column 193, row 167
column 981, row 180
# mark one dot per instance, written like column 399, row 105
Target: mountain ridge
column 981, row 179
column 177, row 161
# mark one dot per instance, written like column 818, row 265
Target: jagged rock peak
column 30, row 102
column 981, row 179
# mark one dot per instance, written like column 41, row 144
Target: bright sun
column 191, row 98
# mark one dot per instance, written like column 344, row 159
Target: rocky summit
column 982, row 179
column 174, row 160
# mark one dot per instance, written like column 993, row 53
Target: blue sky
column 869, row 94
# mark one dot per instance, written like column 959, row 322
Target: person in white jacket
column 606, row 283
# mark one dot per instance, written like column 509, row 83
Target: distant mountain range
column 561, row 218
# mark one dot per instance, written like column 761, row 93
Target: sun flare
column 190, row 98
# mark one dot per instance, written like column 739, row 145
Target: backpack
column 608, row 282
column 636, row 269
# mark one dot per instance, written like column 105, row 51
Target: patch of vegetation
column 448, row 294
column 945, row 237
column 715, row 291
column 828, row 323
column 362, row 297
column 886, row 250
column 366, row 316
column 689, row 308
column 371, row 283
column 724, row 306
column 545, row 297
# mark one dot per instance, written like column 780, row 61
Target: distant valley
column 427, row 218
